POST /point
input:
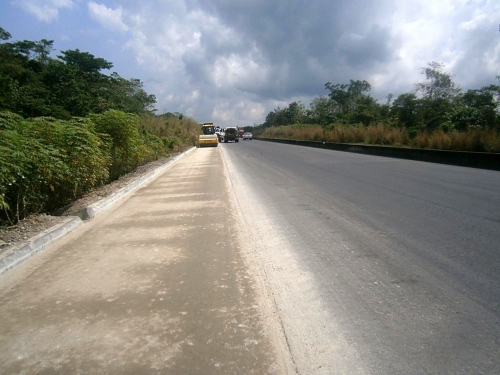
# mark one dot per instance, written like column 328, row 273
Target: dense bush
column 126, row 148
column 49, row 157
column 46, row 163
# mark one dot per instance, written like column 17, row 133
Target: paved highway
column 376, row 265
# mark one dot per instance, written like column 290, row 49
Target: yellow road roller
column 209, row 137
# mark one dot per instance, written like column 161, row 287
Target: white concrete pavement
column 156, row 284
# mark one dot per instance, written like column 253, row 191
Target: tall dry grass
column 349, row 134
column 383, row 134
column 487, row 140
column 176, row 133
column 309, row 133
column 479, row 140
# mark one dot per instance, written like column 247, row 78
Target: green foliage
column 439, row 84
column 406, row 110
column 292, row 114
column 38, row 51
column 33, row 84
column 46, row 163
column 84, row 61
column 123, row 129
column 4, row 35
column 322, row 111
column 350, row 99
column 67, row 128
column 129, row 96
column 418, row 118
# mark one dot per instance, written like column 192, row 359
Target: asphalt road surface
column 376, row 265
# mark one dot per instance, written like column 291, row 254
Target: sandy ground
column 161, row 283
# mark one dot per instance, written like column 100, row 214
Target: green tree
column 21, row 86
column 476, row 109
column 353, row 103
column 277, row 117
column 339, row 94
column 322, row 110
column 294, row 113
column 439, row 94
column 129, row 96
column 439, row 84
column 406, row 110
column 346, row 95
column 84, row 61
column 4, row 35
column 33, row 84
column 34, row 50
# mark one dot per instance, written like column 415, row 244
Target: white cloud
column 235, row 61
column 240, row 113
column 239, row 72
column 107, row 17
column 462, row 34
column 245, row 58
column 45, row 10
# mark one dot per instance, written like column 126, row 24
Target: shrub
column 45, row 163
column 123, row 128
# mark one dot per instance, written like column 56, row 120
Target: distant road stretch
column 376, row 265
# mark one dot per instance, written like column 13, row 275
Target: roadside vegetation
column 66, row 128
column 437, row 115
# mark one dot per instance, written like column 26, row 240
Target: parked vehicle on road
column 231, row 134
column 247, row 135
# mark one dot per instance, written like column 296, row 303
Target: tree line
column 436, row 104
column 33, row 84
column 67, row 128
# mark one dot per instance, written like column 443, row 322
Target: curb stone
column 92, row 210
column 41, row 241
column 38, row 243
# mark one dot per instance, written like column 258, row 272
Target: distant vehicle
column 231, row 134
column 240, row 132
column 219, row 133
column 247, row 135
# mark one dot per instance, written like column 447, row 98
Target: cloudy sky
column 233, row 61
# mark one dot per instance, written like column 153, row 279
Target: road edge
column 480, row 160
column 271, row 317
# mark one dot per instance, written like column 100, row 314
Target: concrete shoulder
column 39, row 242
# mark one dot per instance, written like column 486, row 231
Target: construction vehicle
column 209, row 137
